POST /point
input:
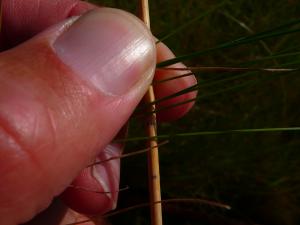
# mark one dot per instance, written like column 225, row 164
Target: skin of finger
column 90, row 202
column 94, row 201
column 29, row 28
column 50, row 126
column 171, row 87
column 24, row 19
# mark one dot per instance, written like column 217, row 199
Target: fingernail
column 109, row 48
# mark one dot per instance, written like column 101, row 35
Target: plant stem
column 153, row 156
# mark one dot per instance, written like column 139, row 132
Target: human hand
column 67, row 86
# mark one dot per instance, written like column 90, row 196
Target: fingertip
column 95, row 189
column 166, row 112
column 77, row 119
column 24, row 19
column 82, row 196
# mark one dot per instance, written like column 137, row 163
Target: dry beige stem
column 153, row 157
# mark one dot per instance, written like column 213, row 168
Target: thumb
column 63, row 96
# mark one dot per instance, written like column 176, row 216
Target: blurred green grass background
column 257, row 174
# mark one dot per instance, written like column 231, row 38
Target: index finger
column 23, row 19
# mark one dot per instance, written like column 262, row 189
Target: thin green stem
column 230, row 44
column 220, row 132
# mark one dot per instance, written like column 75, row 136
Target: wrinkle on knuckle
column 15, row 152
column 10, row 151
column 18, row 163
column 30, row 127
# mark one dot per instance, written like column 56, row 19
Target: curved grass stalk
column 166, row 201
column 224, row 69
column 129, row 154
column 95, row 191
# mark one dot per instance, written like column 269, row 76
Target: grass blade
column 220, row 132
column 208, row 84
column 230, row 44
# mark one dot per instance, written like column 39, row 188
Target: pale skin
column 52, row 122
